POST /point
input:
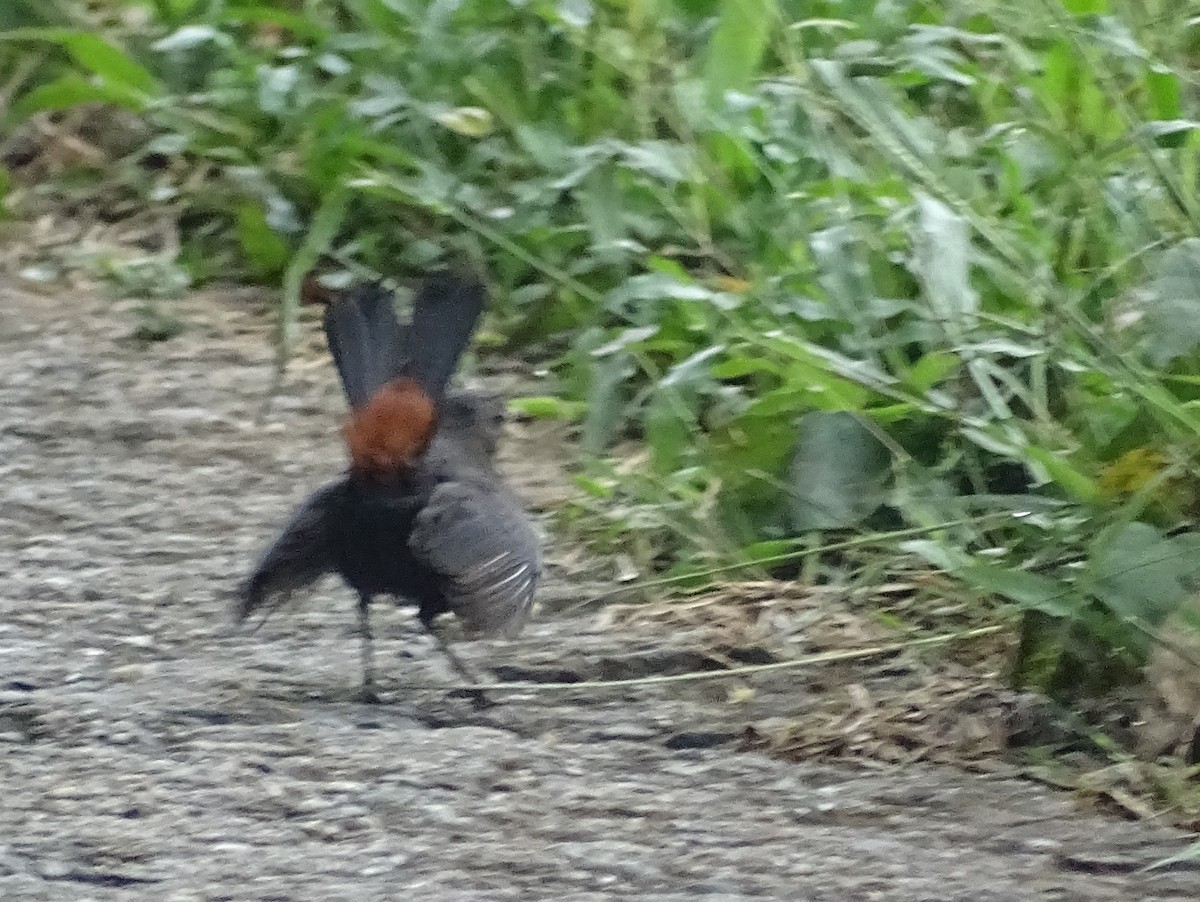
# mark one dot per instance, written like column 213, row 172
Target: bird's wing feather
column 301, row 555
column 482, row 543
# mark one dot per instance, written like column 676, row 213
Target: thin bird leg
column 367, row 648
column 460, row 666
column 478, row 699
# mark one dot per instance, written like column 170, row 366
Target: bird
column 421, row 513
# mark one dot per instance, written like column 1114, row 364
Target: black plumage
column 422, row 514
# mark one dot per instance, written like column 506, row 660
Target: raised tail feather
column 445, row 311
column 371, row 348
column 366, row 341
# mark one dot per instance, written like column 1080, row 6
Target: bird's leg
column 459, row 666
column 367, row 647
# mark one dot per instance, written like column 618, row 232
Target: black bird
column 421, row 515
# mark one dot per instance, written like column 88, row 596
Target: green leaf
column 1173, row 311
column 96, row 55
column 1029, row 590
column 737, row 45
column 844, row 273
column 605, row 403
column 72, row 90
column 1138, row 573
column 627, row 338
column 666, row 161
column 838, row 474
column 599, row 197
column 1077, row 484
column 276, row 85
column 111, row 63
column 669, row 425
column 748, row 452
column 469, row 121
column 1165, row 93
column 832, row 371
column 547, row 408
column 943, row 266
column 1085, row 7
column 769, row 550
column 743, row 365
column 931, row 369
column 189, row 37
column 265, row 251
column 694, row 368
column 1171, row 132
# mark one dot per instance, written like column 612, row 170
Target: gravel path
column 148, row 752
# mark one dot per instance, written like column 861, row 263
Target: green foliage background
column 925, row 272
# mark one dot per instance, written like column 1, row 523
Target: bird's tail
column 366, row 341
column 371, row 349
column 446, row 310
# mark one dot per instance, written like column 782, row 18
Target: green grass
column 923, row 273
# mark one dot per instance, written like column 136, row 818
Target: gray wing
column 301, row 555
column 483, row 544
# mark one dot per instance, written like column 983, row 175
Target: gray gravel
column 149, row 752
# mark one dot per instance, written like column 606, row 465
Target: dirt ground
column 148, row 751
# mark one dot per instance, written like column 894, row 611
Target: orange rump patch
column 392, row 430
